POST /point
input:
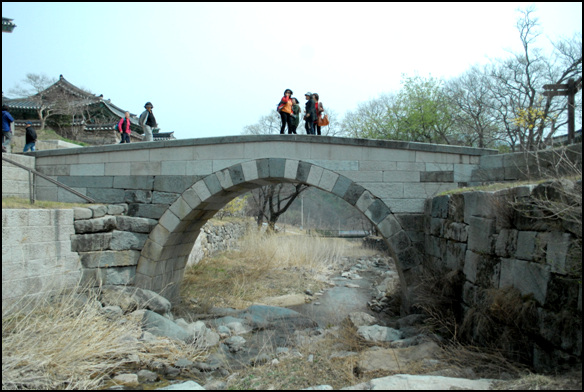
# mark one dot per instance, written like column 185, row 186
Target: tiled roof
column 7, row 25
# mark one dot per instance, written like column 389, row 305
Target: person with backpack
column 124, row 128
column 285, row 110
column 319, row 110
column 7, row 124
column 295, row 116
column 30, row 138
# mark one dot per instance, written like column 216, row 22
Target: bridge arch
column 166, row 251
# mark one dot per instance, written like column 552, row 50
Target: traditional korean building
column 76, row 114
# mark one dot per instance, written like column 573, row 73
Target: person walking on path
column 285, row 110
column 124, row 128
column 319, row 110
column 296, row 115
column 148, row 121
column 310, row 114
column 7, row 122
column 30, row 138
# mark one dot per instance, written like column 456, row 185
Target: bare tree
column 35, row 87
column 530, row 120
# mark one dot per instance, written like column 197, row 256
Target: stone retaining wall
column 495, row 247
column 44, row 249
column 36, row 252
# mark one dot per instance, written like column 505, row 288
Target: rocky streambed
column 267, row 335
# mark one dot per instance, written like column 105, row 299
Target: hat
column 28, row 123
column 309, row 94
column 148, row 104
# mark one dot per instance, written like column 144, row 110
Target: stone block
column 153, row 211
column 277, row 167
column 90, row 242
column 456, row 231
column 506, row 243
column 108, row 258
column 98, row 210
column 348, row 190
column 106, row 195
column 526, row 244
column 440, row 206
column 117, row 209
column 138, row 196
column 437, row 176
column 134, row 182
column 135, row 224
column 480, row 234
column 455, row 254
column 557, row 252
column 528, row 278
column 303, row 172
column 125, row 240
column 164, row 197
column 377, row 211
column 97, row 225
column 328, row 180
column 314, row 175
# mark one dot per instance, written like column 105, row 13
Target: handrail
column 81, row 195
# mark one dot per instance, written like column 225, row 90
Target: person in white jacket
column 148, row 122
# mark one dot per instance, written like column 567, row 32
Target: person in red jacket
column 124, row 128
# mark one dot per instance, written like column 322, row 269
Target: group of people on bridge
column 289, row 109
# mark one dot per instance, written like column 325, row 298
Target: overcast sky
column 212, row 68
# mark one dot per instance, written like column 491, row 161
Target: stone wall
column 15, row 181
column 496, row 249
column 44, row 249
column 36, row 252
column 218, row 236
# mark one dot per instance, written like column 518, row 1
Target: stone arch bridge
column 182, row 183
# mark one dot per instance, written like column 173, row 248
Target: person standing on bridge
column 124, row 128
column 310, row 114
column 148, row 122
column 285, row 110
column 296, row 115
column 319, row 110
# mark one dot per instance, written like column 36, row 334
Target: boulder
column 131, row 298
column 161, row 326
column 377, row 333
column 359, row 319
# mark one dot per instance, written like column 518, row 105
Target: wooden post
column 571, row 115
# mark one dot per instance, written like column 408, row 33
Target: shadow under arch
column 166, row 251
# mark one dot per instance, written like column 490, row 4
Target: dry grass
column 295, row 371
column 66, row 342
column 265, row 266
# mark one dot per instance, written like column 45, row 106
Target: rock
column 161, row 326
column 235, row 343
column 377, row 333
column 147, row 376
column 127, row 379
column 183, row 363
column 359, row 319
column 272, row 317
column 184, row 386
column 132, row 298
column 421, row 382
column 393, row 360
